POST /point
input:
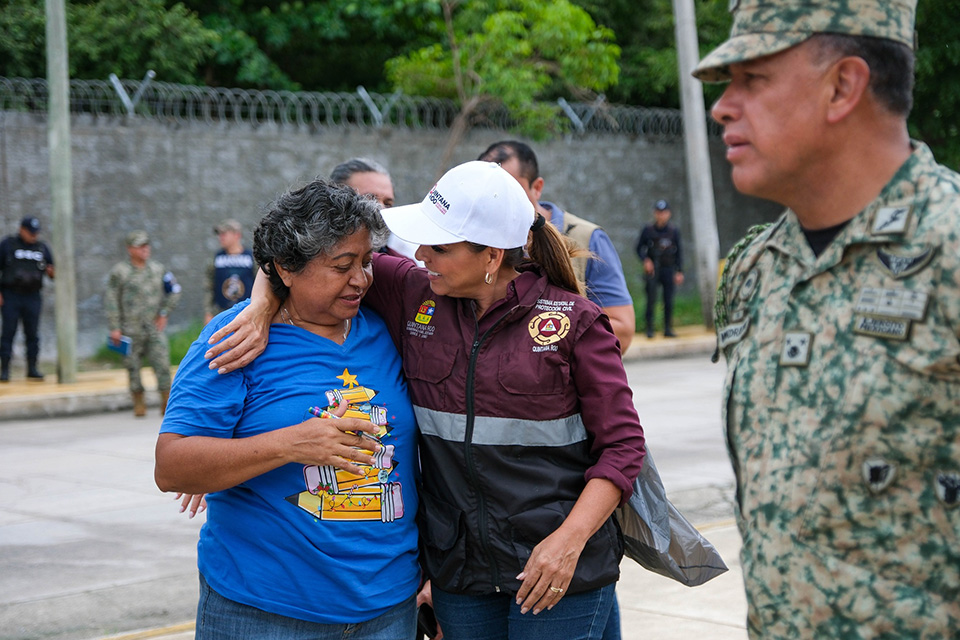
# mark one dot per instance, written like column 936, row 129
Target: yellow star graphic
column 349, row 381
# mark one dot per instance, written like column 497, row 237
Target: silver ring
column 556, row 589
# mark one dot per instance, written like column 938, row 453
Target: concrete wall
column 176, row 181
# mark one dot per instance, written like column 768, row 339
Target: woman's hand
column 341, row 443
column 244, row 338
column 548, row 572
column 192, row 503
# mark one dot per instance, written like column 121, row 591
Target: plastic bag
column 659, row 538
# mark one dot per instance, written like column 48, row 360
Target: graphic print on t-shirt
column 336, row 495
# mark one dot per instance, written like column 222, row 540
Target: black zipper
column 472, row 474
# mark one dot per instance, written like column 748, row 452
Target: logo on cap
column 438, row 200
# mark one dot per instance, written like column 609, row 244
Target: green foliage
column 645, row 33
column 937, row 92
column 512, row 53
column 107, row 36
column 180, row 342
column 331, row 46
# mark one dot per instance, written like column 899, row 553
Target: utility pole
column 699, row 179
column 61, row 190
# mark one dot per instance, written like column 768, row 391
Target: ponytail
column 552, row 251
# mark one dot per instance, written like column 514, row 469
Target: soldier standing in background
column 660, row 251
column 24, row 260
column 140, row 295
column 840, row 323
column 230, row 275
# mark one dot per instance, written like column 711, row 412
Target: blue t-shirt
column 606, row 284
column 307, row 542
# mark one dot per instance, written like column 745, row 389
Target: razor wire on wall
column 181, row 103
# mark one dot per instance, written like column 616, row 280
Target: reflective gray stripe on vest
column 502, row 431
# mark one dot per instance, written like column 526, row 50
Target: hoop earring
column 487, row 278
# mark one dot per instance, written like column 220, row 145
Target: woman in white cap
column 530, row 439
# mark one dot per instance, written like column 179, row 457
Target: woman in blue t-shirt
column 308, row 453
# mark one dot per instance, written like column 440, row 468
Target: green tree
column 318, row 45
column 645, row 33
column 107, row 36
column 937, row 91
column 513, row 54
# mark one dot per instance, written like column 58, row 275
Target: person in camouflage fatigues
column 140, row 295
column 840, row 324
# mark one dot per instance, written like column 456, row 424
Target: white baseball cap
column 474, row 202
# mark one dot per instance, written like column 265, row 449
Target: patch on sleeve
column 732, row 333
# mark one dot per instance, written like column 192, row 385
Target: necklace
column 285, row 316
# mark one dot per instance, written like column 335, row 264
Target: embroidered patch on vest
column 425, row 312
column 903, row 266
column 889, row 220
column 892, row 303
column 733, row 333
column 233, row 288
column 892, row 328
column 796, row 348
column 948, row 488
column 549, row 327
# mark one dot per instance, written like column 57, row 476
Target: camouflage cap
column 764, row 27
column 227, row 225
column 137, row 238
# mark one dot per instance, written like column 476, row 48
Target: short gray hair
column 308, row 221
column 342, row 172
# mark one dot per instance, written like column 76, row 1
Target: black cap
column 30, row 224
column 661, row 205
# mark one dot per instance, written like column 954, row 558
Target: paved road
column 89, row 547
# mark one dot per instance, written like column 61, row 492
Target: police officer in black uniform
column 660, row 250
column 23, row 262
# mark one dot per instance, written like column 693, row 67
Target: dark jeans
column 581, row 616
column 17, row 307
column 219, row 618
column 662, row 277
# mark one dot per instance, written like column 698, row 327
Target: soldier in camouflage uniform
column 840, row 324
column 139, row 297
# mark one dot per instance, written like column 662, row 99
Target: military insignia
column 732, row 333
column 948, row 488
column 889, row 220
column 878, row 474
column 425, row 312
column 903, row 266
column 549, row 327
column 796, row 348
column 907, row 304
column 892, row 328
column 749, row 285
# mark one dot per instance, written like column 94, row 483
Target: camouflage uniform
column 133, row 300
column 843, row 417
column 842, row 410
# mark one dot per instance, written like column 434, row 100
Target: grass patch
column 180, row 342
column 686, row 309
